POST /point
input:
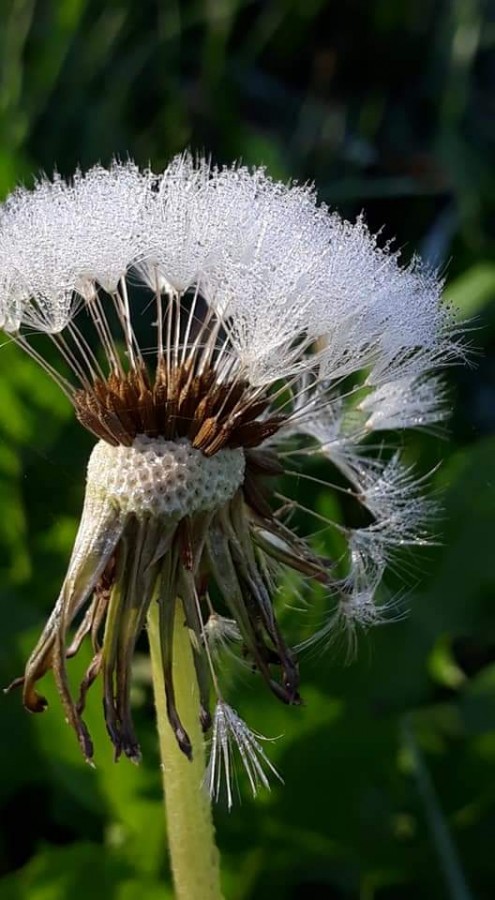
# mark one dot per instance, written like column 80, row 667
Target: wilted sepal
column 99, row 532
column 140, row 556
column 242, row 583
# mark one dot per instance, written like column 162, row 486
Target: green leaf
column 471, row 292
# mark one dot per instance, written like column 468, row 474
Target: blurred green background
column 389, row 767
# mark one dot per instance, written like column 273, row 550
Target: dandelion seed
column 220, row 632
column 405, row 403
column 203, row 318
column 231, row 733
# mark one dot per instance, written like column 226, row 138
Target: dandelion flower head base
column 166, row 480
column 208, row 321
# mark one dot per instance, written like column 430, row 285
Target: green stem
column 194, row 857
column 447, row 853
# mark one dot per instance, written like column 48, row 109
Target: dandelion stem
column 444, row 845
column 194, row 856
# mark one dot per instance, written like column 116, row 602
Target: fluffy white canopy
column 282, row 268
column 305, row 297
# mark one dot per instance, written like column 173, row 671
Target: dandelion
column 272, row 322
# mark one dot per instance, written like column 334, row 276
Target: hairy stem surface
column 191, row 837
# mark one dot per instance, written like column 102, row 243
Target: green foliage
column 388, row 766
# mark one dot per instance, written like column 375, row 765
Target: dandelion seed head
column 271, row 323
